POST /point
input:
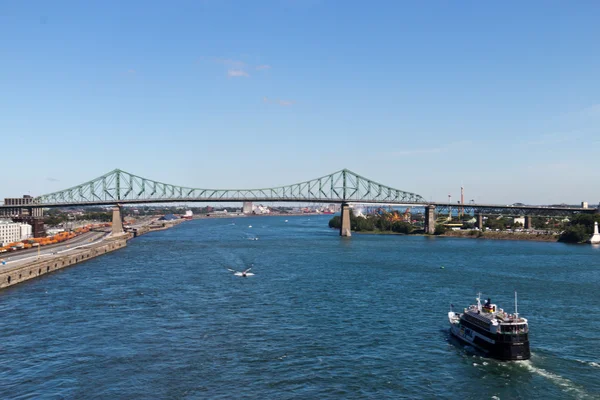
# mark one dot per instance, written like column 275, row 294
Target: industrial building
column 25, row 215
column 13, row 232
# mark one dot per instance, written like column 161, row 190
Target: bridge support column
column 117, row 221
column 479, row 221
column 247, row 208
column 528, row 222
column 430, row 219
column 345, row 227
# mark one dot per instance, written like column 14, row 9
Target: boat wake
column 590, row 363
column 564, row 383
column 242, row 274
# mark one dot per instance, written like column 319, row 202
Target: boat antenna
column 516, row 313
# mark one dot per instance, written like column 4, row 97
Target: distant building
column 20, row 211
column 13, row 232
column 520, row 220
column 260, row 209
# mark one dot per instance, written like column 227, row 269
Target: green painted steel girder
column 119, row 186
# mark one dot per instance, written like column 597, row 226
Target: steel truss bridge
column 120, row 187
column 508, row 210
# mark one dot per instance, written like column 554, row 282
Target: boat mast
column 516, row 313
column 479, row 301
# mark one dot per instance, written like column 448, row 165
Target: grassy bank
column 539, row 237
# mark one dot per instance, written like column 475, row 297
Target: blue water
column 323, row 318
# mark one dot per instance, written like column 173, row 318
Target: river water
column 323, row 317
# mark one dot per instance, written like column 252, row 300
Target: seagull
column 243, row 274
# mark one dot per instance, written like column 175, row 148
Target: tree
column 579, row 228
column 402, row 227
column 574, row 234
column 335, row 222
column 440, row 229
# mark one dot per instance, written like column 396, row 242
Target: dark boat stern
column 512, row 347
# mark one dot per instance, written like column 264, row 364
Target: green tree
column 440, row 229
column 335, row 222
column 575, row 234
column 402, row 227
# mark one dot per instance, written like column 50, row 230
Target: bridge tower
column 345, row 226
column 528, row 222
column 479, row 221
column 430, row 219
column 117, row 221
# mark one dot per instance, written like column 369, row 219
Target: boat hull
column 500, row 347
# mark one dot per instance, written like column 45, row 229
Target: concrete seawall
column 23, row 272
column 35, row 268
column 156, row 227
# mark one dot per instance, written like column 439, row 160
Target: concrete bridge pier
column 117, row 221
column 479, row 221
column 430, row 219
column 345, row 227
column 528, row 222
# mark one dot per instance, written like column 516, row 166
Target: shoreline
column 47, row 263
column 517, row 236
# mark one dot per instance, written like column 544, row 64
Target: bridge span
column 344, row 187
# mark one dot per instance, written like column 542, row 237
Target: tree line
column 373, row 223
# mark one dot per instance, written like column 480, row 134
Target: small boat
column 249, row 226
column 498, row 334
column 244, row 274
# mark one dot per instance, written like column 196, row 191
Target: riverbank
column 24, row 271
column 21, row 271
column 537, row 237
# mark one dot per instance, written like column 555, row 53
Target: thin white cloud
column 237, row 73
column 281, row 102
column 131, row 71
column 410, row 152
column 229, row 62
column 52, row 179
column 235, row 68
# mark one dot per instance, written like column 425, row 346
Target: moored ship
column 490, row 329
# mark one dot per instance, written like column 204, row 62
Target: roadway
column 14, row 258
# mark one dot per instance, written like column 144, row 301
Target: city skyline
column 500, row 99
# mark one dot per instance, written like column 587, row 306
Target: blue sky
column 502, row 98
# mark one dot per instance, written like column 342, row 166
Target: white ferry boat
column 490, row 329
